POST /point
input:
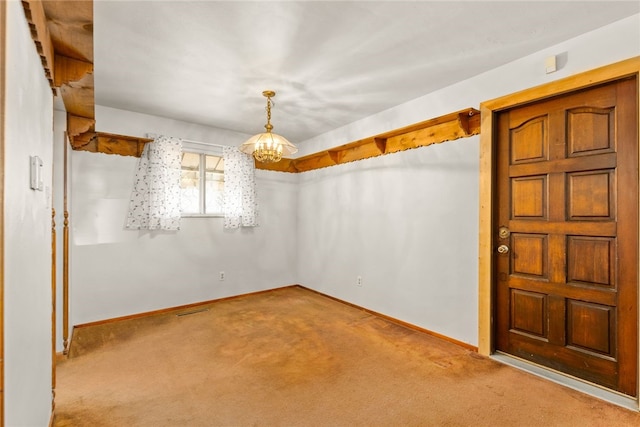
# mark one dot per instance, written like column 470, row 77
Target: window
column 201, row 182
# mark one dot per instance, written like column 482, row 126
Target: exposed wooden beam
column 77, row 125
column 34, row 12
column 433, row 134
column 445, row 128
column 63, row 35
column 284, row 165
column 464, row 121
column 83, row 141
column 70, row 24
column 449, row 127
column 78, row 97
column 317, row 161
column 108, row 143
column 381, row 143
column 68, row 70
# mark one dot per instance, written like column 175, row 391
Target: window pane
column 190, row 183
column 215, row 164
column 214, row 185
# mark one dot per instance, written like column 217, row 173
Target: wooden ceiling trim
column 70, row 24
column 71, row 28
column 284, row 165
column 449, row 127
column 319, row 160
column 381, row 143
column 34, row 12
column 108, row 143
column 434, row 134
column 78, row 97
column 68, row 70
column 63, row 34
column 78, row 125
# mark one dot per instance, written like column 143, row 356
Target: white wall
column 27, row 228
column 408, row 222
column 117, row 272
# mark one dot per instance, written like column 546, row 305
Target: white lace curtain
column 155, row 199
column 240, row 204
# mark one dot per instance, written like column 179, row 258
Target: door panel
column 567, row 282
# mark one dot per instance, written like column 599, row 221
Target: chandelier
column 268, row 147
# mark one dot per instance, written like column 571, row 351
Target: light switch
column 36, row 173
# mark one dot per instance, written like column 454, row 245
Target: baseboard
column 196, row 305
column 175, row 308
column 397, row 321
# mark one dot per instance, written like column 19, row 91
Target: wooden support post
column 53, row 310
column 65, row 282
column 65, row 258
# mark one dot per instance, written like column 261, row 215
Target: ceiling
column 331, row 63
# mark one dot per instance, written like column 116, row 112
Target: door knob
column 503, row 249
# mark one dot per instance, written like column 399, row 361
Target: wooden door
column 566, row 237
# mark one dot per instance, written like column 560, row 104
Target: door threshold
column 568, row 381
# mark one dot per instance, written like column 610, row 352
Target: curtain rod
column 190, row 141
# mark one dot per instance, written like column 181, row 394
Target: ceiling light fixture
column 268, row 147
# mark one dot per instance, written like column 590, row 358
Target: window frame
column 202, row 150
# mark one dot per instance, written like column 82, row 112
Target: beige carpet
column 292, row 357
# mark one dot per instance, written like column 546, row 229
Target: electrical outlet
column 359, row 281
column 221, row 275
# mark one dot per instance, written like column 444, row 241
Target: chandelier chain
column 268, row 126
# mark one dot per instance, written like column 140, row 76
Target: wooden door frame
column 488, row 142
